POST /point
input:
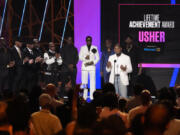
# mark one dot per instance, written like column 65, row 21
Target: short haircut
column 44, row 100
column 117, row 45
column 88, row 37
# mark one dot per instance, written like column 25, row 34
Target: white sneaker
column 85, row 94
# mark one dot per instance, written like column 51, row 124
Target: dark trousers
column 18, row 77
column 70, row 74
column 73, row 77
column 4, row 80
column 29, row 81
column 51, row 79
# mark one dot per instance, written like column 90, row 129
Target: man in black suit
column 70, row 58
column 17, row 71
column 37, row 48
column 5, row 65
column 39, row 52
column 30, row 67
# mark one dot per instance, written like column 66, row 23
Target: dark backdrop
column 109, row 29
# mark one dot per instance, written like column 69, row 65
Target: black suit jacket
column 5, row 58
column 29, row 67
column 18, row 61
column 16, row 57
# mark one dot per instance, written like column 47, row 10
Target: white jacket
column 121, row 60
column 93, row 57
column 52, row 60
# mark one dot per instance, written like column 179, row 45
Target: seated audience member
column 173, row 123
column 110, row 107
column 178, row 96
column 167, row 94
column 97, row 101
column 87, row 117
column 177, row 107
column 122, row 104
column 113, row 125
column 141, row 109
column 5, row 128
column 45, row 123
column 157, row 118
column 52, row 90
column 108, row 88
column 64, row 112
column 19, row 115
column 34, row 98
column 136, row 99
column 137, row 125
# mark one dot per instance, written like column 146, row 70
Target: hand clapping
column 123, row 68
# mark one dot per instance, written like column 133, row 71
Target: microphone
column 114, row 69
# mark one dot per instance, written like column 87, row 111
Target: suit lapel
column 17, row 53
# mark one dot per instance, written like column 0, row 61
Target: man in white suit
column 119, row 65
column 89, row 56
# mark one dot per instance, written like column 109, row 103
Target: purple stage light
column 87, row 21
column 151, row 65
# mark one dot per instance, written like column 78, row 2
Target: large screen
column 155, row 28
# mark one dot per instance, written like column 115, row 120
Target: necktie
column 19, row 53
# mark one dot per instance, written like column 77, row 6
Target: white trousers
column 121, row 89
column 92, row 75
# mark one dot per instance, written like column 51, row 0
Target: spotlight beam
column 64, row 30
column 44, row 16
column 2, row 21
column 22, row 18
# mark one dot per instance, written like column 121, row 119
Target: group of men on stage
column 24, row 68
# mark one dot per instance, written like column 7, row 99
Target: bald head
column 51, row 89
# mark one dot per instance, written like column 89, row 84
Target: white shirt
column 18, row 50
column 52, row 60
column 121, row 60
column 94, row 57
column 30, row 50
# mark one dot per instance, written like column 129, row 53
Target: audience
column 5, row 127
column 110, row 107
column 45, row 123
column 136, row 99
column 42, row 112
column 112, row 125
column 52, row 90
column 18, row 113
column 156, row 119
column 141, row 109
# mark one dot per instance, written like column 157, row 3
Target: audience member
column 45, row 123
